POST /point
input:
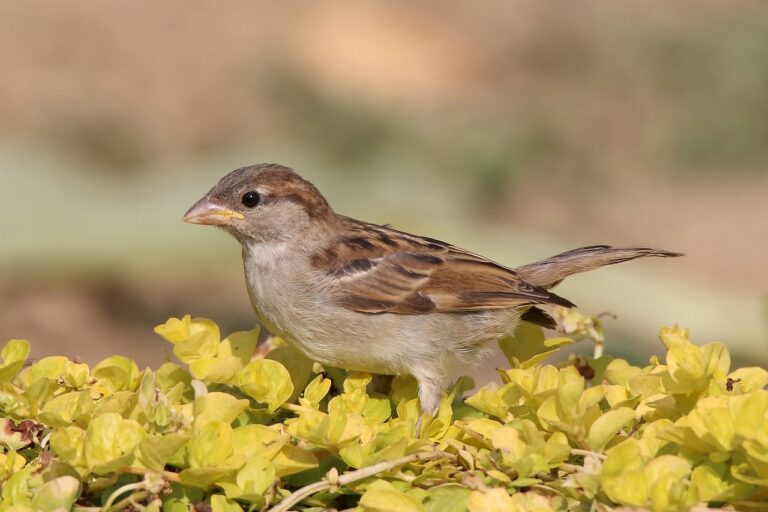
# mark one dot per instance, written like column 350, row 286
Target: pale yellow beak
column 207, row 212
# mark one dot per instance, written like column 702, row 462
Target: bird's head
column 261, row 203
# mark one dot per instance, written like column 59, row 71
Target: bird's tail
column 549, row 272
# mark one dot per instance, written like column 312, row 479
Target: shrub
column 226, row 432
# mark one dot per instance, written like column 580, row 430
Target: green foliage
column 236, row 433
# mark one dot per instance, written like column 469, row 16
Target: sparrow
column 367, row 297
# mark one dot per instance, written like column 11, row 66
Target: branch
column 167, row 475
column 122, row 490
column 332, row 479
column 587, row 453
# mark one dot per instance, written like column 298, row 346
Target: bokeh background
column 517, row 129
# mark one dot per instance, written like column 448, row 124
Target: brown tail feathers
column 549, row 272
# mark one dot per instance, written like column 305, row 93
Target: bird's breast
column 290, row 300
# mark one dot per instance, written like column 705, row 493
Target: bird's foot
column 419, row 423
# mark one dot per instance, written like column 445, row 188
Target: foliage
column 225, row 432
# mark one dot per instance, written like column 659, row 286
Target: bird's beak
column 207, row 212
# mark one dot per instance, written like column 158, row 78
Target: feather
column 549, row 272
column 382, row 270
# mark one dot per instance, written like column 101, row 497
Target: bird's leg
column 430, row 392
column 417, row 428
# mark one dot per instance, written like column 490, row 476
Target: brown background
column 516, row 129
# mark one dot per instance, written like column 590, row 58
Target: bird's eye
column 251, row 199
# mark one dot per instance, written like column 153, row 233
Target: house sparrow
column 367, row 297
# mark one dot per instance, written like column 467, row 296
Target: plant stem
column 292, row 407
column 122, row 490
column 128, row 500
column 353, row 476
column 587, row 453
column 167, row 475
column 570, row 468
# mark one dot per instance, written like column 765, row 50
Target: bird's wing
column 376, row 269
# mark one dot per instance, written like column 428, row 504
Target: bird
column 368, row 297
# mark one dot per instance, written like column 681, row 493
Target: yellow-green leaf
column 217, row 369
column 491, row 500
column 157, row 450
column 211, row 446
column 14, row 355
column 447, row 498
column 252, row 440
column 298, row 365
column 240, row 344
column 315, row 391
column 266, row 381
column 110, row 441
column 389, row 500
column 293, row 459
column 607, row 426
column 217, row 406
column 56, row 495
column 221, row 503
column 202, row 341
column 175, row 330
column 117, row 373
column 68, row 444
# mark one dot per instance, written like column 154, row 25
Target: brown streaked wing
column 467, row 283
column 392, row 283
column 384, row 270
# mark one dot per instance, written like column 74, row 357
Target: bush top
column 224, row 431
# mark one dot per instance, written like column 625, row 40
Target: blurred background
column 516, row 129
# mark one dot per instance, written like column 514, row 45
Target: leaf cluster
column 222, row 430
